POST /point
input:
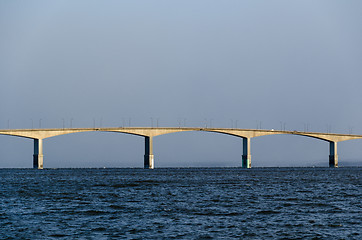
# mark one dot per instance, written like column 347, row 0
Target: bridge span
column 38, row 135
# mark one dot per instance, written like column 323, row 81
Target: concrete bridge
column 148, row 133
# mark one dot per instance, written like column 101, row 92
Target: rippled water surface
column 205, row 203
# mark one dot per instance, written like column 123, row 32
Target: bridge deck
column 152, row 132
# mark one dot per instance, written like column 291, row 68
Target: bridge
column 38, row 135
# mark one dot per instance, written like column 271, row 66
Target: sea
column 181, row 203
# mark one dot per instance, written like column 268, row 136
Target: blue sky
column 272, row 63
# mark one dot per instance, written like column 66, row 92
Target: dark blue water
column 216, row 203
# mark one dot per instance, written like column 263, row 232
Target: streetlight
column 151, row 122
column 40, row 123
column 63, row 123
column 306, row 127
column 71, row 123
column 329, row 128
column 258, row 124
column 350, row 130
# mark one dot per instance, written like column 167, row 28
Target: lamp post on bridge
column 282, row 126
column 350, row 130
column 329, row 128
column 205, row 119
column 306, row 127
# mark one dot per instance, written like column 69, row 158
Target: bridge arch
column 197, row 149
column 289, row 150
column 14, row 150
column 94, row 149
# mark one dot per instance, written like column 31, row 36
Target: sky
column 267, row 64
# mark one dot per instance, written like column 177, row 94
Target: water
column 215, row 203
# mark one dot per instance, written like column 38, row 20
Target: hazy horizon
column 247, row 64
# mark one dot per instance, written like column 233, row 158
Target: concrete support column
column 38, row 154
column 148, row 163
column 246, row 158
column 333, row 156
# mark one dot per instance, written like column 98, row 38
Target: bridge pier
column 333, row 156
column 38, row 154
column 246, row 158
column 148, row 160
